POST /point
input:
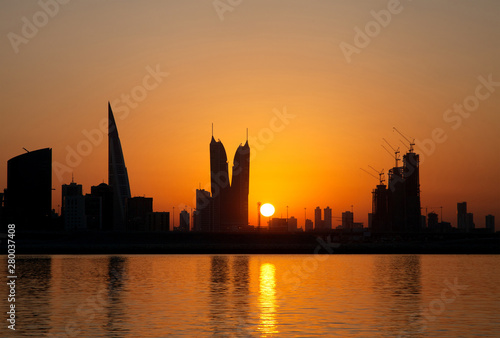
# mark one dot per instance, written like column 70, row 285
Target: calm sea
column 256, row 296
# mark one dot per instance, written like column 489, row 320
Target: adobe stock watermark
column 298, row 273
column 121, row 109
column 85, row 313
column 31, row 27
column 455, row 115
column 223, row 6
column 372, row 29
column 435, row 308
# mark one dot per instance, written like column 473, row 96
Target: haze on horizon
column 262, row 60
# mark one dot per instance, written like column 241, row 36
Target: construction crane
column 412, row 142
column 404, row 144
column 380, row 174
column 396, row 151
column 369, row 173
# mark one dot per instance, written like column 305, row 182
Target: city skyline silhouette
column 314, row 116
column 396, row 207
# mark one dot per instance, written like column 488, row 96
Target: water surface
column 256, row 296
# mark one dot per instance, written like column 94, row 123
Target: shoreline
column 252, row 243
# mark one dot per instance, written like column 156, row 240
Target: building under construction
column 396, row 207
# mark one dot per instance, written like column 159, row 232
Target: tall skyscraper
column 328, row 218
column 105, row 194
column 71, row 189
column 411, row 176
column 403, row 195
column 240, row 185
column 28, row 197
column 230, row 201
column 318, row 222
column 117, row 174
column 73, row 207
column 220, row 185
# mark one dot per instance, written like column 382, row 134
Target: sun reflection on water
column 267, row 300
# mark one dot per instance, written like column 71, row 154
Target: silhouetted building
column 278, row 225
column 396, row 199
column 73, row 207
column 328, row 218
column 28, row 197
column 71, row 189
column 93, row 212
column 292, row 224
column 220, row 186
column 357, row 225
column 469, row 222
column 432, row 222
column 106, row 195
column 184, row 221
column 462, row 216
column 158, row 221
column 308, row 226
column 240, row 186
column 318, row 222
column 117, row 174
column 137, row 211
column 403, row 196
column 380, row 210
column 423, row 221
column 411, row 176
column 444, row 227
column 230, row 201
column 490, row 223
column 347, row 220
column 203, row 217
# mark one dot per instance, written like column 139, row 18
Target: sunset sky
column 244, row 64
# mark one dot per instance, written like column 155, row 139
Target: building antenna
column 247, row 135
column 72, row 177
column 212, row 129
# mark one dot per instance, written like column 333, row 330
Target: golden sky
column 343, row 72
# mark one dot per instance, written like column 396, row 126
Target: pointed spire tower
column 117, row 173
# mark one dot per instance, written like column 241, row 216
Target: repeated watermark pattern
column 30, row 27
column 435, row 308
column 223, row 6
column 372, row 29
column 456, row 115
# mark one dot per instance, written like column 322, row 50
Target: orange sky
column 237, row 72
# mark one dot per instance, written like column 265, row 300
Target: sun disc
column 267, row 210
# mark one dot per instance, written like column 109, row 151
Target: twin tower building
column 228, row 205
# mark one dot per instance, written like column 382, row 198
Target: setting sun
column 267, row 210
